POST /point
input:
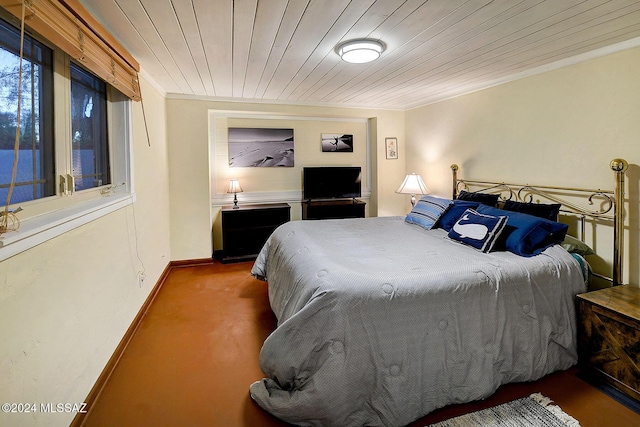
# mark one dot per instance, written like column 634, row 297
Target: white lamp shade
column 412, row 184
column 234, row 186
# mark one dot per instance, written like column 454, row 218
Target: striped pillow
column 427, row 211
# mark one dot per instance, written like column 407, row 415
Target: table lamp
column 234, row 187
column 412, row 184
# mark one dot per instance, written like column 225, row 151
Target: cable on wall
column 8, row 219
column 144, row 117
column 140, row 273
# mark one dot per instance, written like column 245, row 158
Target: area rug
column 533, row 411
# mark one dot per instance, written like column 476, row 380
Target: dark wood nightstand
column 247, row 228
column 609, row 338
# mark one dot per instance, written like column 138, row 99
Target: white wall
column 66, row 304
column 193, row 218
column 558, row 128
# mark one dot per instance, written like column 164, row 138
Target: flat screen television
column 331, row 182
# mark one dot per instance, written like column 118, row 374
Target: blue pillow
column 455, row 211
column 427, row 211
column 484, row 198
column 526, row 235
column 478, row 230
column 541, row 210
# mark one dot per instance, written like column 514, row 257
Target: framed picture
column 392, row 147
column 337, row 142
column 260, row 147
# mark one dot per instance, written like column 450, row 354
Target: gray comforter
column 381, row 322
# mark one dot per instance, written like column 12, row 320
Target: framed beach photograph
column 260, row 147
column 392, row 147
column 337, row 143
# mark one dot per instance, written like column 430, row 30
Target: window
column 89, row 130
column 65, row 141
column 35, row 176
column 74, row 154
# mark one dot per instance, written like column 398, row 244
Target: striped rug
column 533, row 411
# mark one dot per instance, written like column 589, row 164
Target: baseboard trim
column 102, row 380
column 190, row 262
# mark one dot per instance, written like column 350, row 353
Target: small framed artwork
column 337, row 142
column 392, row 147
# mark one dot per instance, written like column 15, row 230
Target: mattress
column 380, row 322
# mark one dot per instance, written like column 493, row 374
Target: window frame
column 101, row 134
column 49, row 217
column 46, row 178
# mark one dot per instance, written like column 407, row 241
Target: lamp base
column 235, row 201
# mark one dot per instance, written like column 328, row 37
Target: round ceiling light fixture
column 360, row 51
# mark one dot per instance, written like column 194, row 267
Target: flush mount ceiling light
column 360, row 51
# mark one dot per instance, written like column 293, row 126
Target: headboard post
column 454, row 171
column 619, row 166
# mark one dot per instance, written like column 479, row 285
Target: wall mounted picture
column 260, row 147
column 337, row 142
column 392, row 147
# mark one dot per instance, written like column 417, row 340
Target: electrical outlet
column 141, row 277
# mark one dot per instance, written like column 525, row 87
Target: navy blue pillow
column 455, row 211
column 526, row 235
column 478, row 230
column 484, row 198
column 541, row 210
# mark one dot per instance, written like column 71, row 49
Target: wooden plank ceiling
column 283, row 51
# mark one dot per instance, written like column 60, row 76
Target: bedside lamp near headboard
column 412, row 184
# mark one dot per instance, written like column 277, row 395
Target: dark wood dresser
column 333, row 209
column 609, row 338
column 247, row 228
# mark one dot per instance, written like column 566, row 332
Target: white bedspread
column 381, row 322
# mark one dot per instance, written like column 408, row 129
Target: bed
column 381, row 321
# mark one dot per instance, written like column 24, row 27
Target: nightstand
column 609, row 338
column 246, row 229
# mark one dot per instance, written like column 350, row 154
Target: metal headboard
column 610, row 208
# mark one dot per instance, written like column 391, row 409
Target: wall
column 66, row 304
column 283, row 184
column 307, row 152
column 199, row 170
column 558, row 128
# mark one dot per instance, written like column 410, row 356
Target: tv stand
column 333, row 209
